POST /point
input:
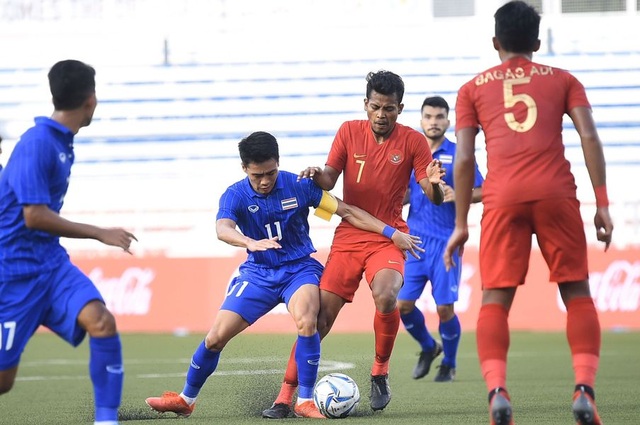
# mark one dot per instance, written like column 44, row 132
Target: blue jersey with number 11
column 283, row 213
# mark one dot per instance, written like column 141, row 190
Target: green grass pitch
column 53, row 385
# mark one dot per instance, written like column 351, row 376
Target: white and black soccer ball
column 336, row 395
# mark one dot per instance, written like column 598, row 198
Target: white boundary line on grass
column 325, row 365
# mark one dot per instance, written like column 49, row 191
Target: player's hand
column 407, row 243
column 604, row 226
column 435, row 172
column 456, row 242
column 309, row 172
column 263, row 244
column 449, row 194
column 117, row 237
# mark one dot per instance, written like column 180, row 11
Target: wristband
column 602, row 200
column 388, row 231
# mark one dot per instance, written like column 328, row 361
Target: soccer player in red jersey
column 529, row 189
column 376, row 157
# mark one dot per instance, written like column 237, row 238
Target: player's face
column 382, row 112
column 434, row 122
column 262, row 176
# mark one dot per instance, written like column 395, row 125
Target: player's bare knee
column 307, row 325
column 385, row 301
column 97, row 320
column 214, row 343
column 445, row 312
column 406, row 307
column 104, row 325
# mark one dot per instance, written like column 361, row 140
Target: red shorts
column 505, row 242
column 345, row 266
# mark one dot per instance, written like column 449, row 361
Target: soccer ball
column 336, row 395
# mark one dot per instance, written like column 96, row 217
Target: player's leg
column 22, row 308
column 302, row 297
column 562, row 242
column 505, row 244
column 249, row 296
column 445, row 286
column 105, row 360
column 384, row 270
column 338, row 284
column 204, row 362
column 77, row 309
column 415, row 278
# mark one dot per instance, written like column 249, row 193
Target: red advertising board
column 160, row 294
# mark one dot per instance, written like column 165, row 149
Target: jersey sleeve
column 30, row 183
column 229, row 206
column 338, row 153
column 466, row 116
column 577, row 95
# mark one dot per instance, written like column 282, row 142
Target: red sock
column 492, row 335
column 290, row 383
column 385, row 328
column 583, row 334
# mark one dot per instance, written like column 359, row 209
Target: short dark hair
column 258, row 147
column 386, row 83
column 435, row 102
column 71, row 82
column 517, row 27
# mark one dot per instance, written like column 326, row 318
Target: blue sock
column 203, row 364
column 450, row 334
column 414, row 324
column 107, row 376
column 308, row 359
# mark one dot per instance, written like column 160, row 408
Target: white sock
column 189, row 400
column 105, row 423
column 302, row 400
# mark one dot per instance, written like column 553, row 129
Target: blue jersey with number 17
column 283, row 213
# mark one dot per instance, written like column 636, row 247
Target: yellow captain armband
column 327, row 207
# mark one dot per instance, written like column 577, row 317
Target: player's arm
column 595, row 162
column 326, row 179
column 463, row 177
column 361, row 219
column 432, row 185
column 41, row 217
column 228, row 232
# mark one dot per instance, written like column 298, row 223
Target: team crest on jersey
column 290, row 203
column 253, row 208
column 396, row 157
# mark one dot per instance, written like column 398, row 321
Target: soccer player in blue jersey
column 434, row 223
column 38, row 283
column 270, row 208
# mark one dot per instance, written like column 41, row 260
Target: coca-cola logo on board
column 616, row 289
column 127, row 294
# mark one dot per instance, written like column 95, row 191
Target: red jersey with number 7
column 520, row 106
column 376, row 176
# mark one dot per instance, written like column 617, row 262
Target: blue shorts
column 257, row 290
column 430, row 268
column 53, row 299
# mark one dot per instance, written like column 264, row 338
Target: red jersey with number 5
column 520, row 106
column 376, row 176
